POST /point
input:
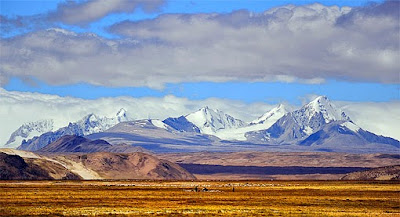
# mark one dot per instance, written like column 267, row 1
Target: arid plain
column 213, row 198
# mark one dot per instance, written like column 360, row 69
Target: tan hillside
column 131, row 166
column 381, row 173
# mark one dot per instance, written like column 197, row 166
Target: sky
column 238, row 55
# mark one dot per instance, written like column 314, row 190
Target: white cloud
column 21, row 107
column 84, row 12
column 381, row 118
column 292, row 44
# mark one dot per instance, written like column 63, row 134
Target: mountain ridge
column 74, row 144
column 89, row 124
column 28, row 131
column 317, row 126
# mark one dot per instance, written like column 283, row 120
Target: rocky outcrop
column 14, row 167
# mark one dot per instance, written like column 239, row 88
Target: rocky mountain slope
column 146, row 134
column 72, row 143
column 28, row 166
column 15, row 164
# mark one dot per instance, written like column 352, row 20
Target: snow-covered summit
column 28, row 131
column 94, row 124
column 210, row 121
column 329, row 111
column 122, row 115
column 318, row 112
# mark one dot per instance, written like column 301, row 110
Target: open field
column 250, row 198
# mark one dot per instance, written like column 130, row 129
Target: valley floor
column 222, row 198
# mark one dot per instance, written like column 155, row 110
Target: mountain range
column 87, row 125
column 316, row 126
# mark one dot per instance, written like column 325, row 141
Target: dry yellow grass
column 252, row 198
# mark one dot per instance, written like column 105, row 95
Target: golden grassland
column 160, row 198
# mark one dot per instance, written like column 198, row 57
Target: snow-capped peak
column 94, row 124
column 122, row 116
column 210, row 121
column 318, row 112
column 323, row 106
column 121, row 112
column 90, row 118
column 273, row 114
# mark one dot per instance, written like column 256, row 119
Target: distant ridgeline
column 317, row 126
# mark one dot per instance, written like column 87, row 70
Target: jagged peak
column 323, row 105
column 207, row 108
column 43, row 121
column 121, row 112
column 90, row 117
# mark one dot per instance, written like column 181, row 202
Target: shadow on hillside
column 205, row 169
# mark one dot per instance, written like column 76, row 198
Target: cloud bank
column 21, row 107
column 309, row 43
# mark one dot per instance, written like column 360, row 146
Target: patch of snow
column 159, row 124
column 351, row 126
column 308, row 130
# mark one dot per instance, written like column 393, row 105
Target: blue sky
column 269, row 92
column 247, row 90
